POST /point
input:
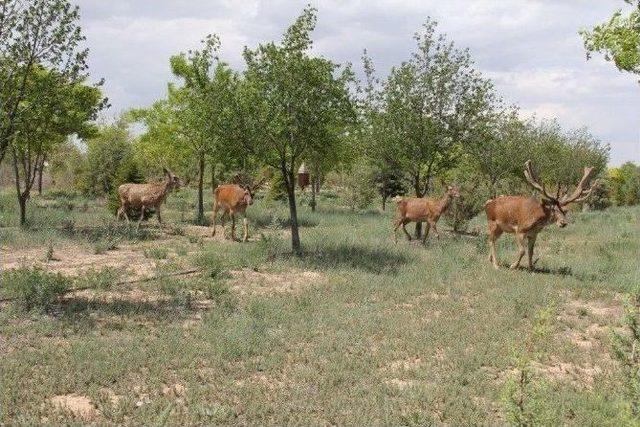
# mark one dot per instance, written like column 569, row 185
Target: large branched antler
column 534, row 181
column 581, row 193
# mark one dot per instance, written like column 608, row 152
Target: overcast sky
column 530, row 48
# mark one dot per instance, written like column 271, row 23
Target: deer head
column 555, row 204
column 172, row 180
column 453, row 191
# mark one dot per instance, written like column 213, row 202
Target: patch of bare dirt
column 79, row 405
column 247, row 282
column 586, row 324
column 400, row 384
column 401, row 365
column 569, row 372
column 76, row 260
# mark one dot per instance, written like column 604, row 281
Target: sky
column 529, row 48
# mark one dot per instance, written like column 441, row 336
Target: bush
column 34, row 289
column 625, row 184
column 156, row 253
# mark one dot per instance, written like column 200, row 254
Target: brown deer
column 233, row 199
column 422, row 209
column 526, row 216
column 143, row 196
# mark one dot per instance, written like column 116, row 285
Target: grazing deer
column 420, row 209
column 526, row 216
column 233, row 199
column 143, row 196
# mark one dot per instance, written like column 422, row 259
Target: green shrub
column 156, row 253
column 102, row 279
column 33, row 288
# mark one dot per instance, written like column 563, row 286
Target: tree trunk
column 313, row 194
column 419, row 193
column 200, row 218
column 384, row 193
column 40, row 169
column 293, row 212
column 22, row 201
column 213, row 176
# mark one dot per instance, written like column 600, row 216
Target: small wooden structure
column 303, row 177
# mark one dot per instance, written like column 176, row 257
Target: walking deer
column 526, row 216
column 143, row 196
column 233, row 199
column 422, row 209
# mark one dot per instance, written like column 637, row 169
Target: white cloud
column 530, row 48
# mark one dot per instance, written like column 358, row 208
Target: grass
column 375, row 333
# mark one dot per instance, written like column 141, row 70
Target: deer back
column 230, row 196
column 517, row 212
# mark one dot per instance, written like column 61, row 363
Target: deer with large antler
column 526, row 216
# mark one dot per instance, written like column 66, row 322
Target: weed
column 34, row 289
column 626, row 348
column 102, row 279
column 156, row 253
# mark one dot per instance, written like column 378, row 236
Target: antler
column 534, row 181
column 580, row 193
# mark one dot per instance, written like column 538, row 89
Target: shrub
column 625, row 350
column 156, row 253
column 33, row 288
column 99, row 279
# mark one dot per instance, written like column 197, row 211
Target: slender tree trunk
column 22, row 201
column 384, row 193
column 200, row 190
column 419, row 193
column 313, row 194
column 293, row 211
column 23, row 196
column 213, row 176
column 40, row 169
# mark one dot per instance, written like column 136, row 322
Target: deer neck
column 444, row 203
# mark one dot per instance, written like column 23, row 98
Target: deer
column 143, row 196
column 422, row 209
column 526, row 216
column 233, row 199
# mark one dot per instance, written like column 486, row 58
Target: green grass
column 389, row 334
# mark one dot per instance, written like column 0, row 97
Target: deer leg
column 123, row 208
column 520, row 239
column 494, row 234
column 213, row 218
column 435, row 230
column 397, row 224
column 233, row 226
column 159, row 216
column 532, row 243
column 141, row 216
column 404, row 228
column 245, row 224
column 426, row 233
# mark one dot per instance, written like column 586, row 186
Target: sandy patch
column 401, row 365
column 568, row 372
column 79, row 405
column 248, row 281
column 76, row 260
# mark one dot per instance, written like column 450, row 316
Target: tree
column 68, row 109
column 35, row 35
column 618, row 39
column 291, row 106
column 428, row 108
column 192, row 123
column 106, row 153
column 625, row 184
